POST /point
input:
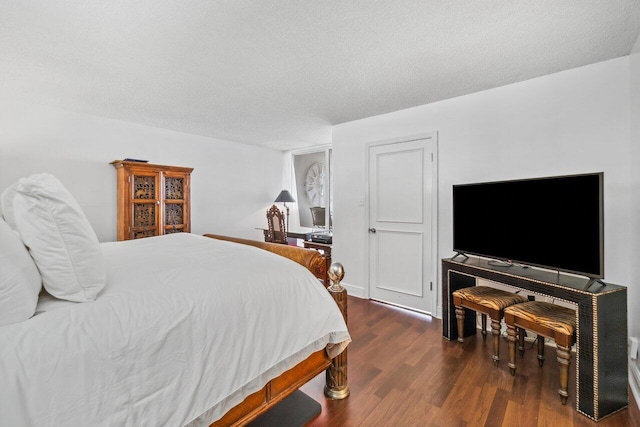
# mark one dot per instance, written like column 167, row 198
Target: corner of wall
column 634, row 369
column 634, row 365
column 636, row 46
column 634, row 381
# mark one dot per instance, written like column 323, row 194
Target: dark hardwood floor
column 403, row 373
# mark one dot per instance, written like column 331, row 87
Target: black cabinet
column 601, row 347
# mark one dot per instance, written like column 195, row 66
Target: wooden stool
column 488, row 301
column 546, row 320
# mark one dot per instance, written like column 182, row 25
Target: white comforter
column 186, row 327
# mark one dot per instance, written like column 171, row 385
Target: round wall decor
column 314, row 184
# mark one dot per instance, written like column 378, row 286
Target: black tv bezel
column 600, row 176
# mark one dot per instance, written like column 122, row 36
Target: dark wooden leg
column 460, row 321
column 564, row 359
column 521, row 333
column 511, row 336
column 484, row 326
column 540, row 350
column 495, row 331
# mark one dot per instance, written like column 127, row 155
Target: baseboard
column 360, row 292
column 634, row 381
column 354, row 291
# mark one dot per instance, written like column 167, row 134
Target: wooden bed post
column 336, row 383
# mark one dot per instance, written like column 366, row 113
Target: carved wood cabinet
column 152, row 199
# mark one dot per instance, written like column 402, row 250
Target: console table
column 601, row 347
column 294, row 233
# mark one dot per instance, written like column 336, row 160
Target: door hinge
column 430, row 286
column 432, row 157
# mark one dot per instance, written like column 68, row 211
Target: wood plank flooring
column 403, row 373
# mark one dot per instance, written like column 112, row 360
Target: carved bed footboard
column 336, row 369
column 311, row 259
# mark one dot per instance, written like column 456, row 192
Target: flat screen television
column 553, row 222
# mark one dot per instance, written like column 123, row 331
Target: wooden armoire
column 152, row 199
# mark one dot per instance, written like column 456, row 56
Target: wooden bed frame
column 280, row 387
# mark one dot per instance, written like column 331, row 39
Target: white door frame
column 435, row 265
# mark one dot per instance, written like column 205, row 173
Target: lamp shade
column 285, row 197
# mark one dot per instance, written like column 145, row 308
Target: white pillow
column 20, row 281
column 59, row 237
column 6, row 198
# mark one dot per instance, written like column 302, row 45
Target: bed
column 187, row 330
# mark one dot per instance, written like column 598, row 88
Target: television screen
column 554, row 222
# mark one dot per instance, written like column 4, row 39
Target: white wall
column 232, row 184
column 634, row 291
column 571, row 122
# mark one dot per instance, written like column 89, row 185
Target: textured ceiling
column 279, row 73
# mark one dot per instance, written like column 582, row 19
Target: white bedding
column 186, row 327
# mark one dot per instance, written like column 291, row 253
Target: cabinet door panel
column 144, row 187
column 175, row 199
column 143, row 233
column 174, row 188
column 145, row 200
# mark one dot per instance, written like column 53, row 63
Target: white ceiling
column 279, row 73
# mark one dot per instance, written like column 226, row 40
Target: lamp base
column 287, row 208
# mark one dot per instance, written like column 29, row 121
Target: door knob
column 372, row 230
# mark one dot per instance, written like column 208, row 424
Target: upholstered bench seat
column 488, row 301
column 546, row 320
column 492, row 298
column 560, row 319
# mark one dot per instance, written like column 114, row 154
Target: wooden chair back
column 317, row 216
column 276, row 230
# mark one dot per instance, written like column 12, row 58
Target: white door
column 401, row 190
